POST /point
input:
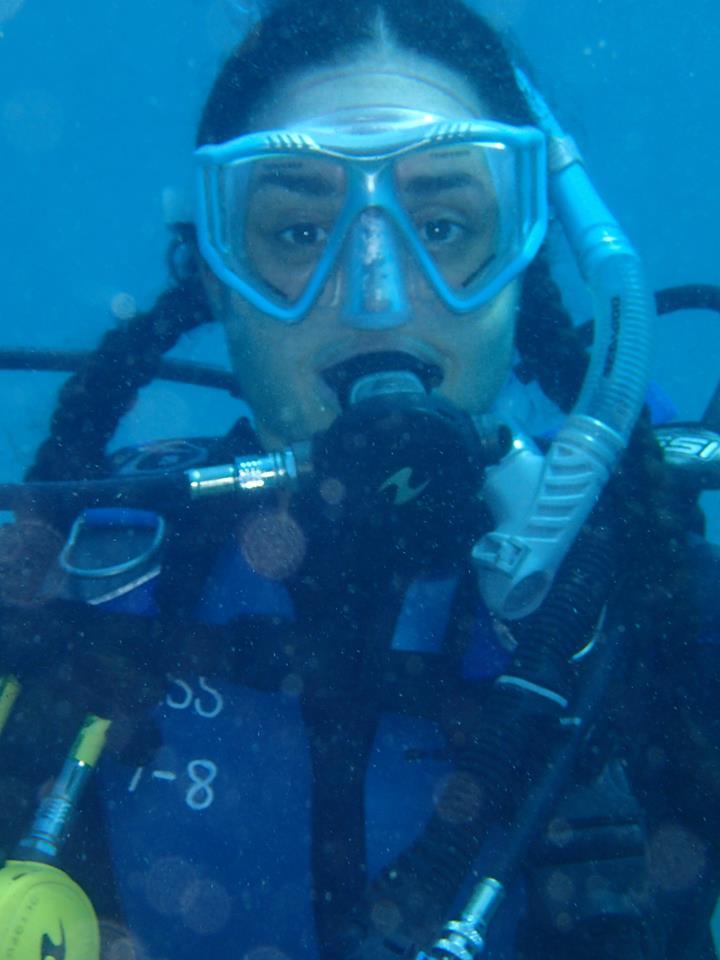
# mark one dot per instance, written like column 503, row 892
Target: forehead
column 372, row 79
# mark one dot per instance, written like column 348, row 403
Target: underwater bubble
column 9, row 8
column 205, row 906
column 123, row 306
column 385, row 916
column 273, row 544
column 117, row 943
column 458, row 798
column 560, row 832
column 560, row 887
column 292, row 685
column 332, row 491
column 29, row 575
column 676, row 858
column 33, row 121
column 166, row 882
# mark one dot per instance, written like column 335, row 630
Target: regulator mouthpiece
column 404, row 468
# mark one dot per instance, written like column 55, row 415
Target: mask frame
column 368, row 161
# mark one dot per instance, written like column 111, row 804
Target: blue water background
column 98, row 103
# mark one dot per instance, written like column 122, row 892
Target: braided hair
column 94, row 399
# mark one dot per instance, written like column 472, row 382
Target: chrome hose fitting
column 464, row 939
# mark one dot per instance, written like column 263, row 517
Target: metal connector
column 464, row 939
column 270, row 471
column 49, row 829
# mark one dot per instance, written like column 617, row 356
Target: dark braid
column 551, row 350
column 92, row 401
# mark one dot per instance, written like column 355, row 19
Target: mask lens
column 461, row 208
column 279, row 214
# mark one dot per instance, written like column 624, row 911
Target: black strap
column 347, row 633
column 341, row 735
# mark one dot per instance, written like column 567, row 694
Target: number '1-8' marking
column 202, row 773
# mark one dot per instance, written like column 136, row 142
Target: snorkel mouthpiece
column 541, row 503
column 383, row 371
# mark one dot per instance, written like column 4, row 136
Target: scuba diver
column 416, row 672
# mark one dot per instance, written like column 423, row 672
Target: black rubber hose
column 691, row 296
column 70, row 361
column 169, row 488
column 537, row 807
column 608, row 937
column 515, row 736
column 695, row 296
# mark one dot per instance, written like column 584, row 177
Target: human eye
column 303, row 235
column 441, row 231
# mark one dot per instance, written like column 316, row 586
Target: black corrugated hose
column 515, row 737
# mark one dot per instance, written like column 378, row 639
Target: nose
column 375, row 294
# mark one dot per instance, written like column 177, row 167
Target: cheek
column 481, row 356
column 265, row 383
column 253, row 340
column 258, row 358
column 272, row 364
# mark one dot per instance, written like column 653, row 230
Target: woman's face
column 280, row 367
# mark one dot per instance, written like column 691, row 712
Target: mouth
column 341, row 377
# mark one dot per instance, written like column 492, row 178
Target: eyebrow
column 308, row 184
column 434, row 183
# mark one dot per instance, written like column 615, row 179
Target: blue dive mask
column 369, row 214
